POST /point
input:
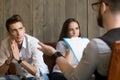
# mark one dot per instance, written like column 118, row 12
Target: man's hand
column 14, row 50
column 48, row 50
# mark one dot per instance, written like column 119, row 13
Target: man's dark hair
column 13, row 19
column 114, row 5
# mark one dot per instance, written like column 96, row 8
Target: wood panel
column 8, row 10
column 44, row 18
column 38, row 17
column 70, row 8
column 59, row 17
column 93, row 29
column 1, row 19
column 24, row 8
column 48, row 28
column 82, row 16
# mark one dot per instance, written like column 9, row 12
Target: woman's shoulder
column 61, row 43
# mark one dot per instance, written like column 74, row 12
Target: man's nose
column 18, row 32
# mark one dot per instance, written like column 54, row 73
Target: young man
column 96, row 56
column 21, row 49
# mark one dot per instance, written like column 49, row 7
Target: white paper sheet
column 77, row 46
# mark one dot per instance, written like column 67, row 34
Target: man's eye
column 13, row 30
column 21, row 28
column 77, row 28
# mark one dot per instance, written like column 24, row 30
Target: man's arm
column 83, row 70
column 15, row 51
column 60, row 60
column 5, row 61
column 5, row 66
column 31, row 69
column 63, row 65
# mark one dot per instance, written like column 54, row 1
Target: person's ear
column 8, row 33
column 103, row 7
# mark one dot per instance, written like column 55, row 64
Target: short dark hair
column 13, row 19
column 114, row 5
column 65, row 27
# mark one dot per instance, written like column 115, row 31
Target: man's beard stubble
column 100, row 20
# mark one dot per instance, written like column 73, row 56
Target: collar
column 24, row 43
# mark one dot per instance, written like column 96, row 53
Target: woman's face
column 73, row 30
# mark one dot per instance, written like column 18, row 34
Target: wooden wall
column 44, row 18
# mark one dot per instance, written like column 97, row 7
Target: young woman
column 71, row 28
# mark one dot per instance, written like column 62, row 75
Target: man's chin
column 19, row 42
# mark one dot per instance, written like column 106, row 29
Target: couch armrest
column 48, row 60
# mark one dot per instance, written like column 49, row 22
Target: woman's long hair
column 65, row 27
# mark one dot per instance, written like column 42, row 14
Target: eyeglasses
column 96, row 5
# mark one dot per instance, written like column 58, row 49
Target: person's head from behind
column 15, row 28
column 105, row 9
column 70, row 28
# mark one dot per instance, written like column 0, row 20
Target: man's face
column 17, row 32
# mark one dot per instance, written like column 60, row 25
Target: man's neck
column 19, row 46
column 114, row 22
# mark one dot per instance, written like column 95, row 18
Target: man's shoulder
column 31, row 38
column 6, row 39
column 31, row 41
column 96, row 42
column 99, row 45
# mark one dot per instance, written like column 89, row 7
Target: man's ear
column 8, row 33
column 103, row 7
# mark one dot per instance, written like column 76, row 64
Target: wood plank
column 38, row 19
column 1, row 20
column 8, row 8
column 70, row 8
column 48, row 20
column 93, row 29
column 8, row 11
column 59, row 18
column 44, row 18
column 24, row 8
column 82, row 16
